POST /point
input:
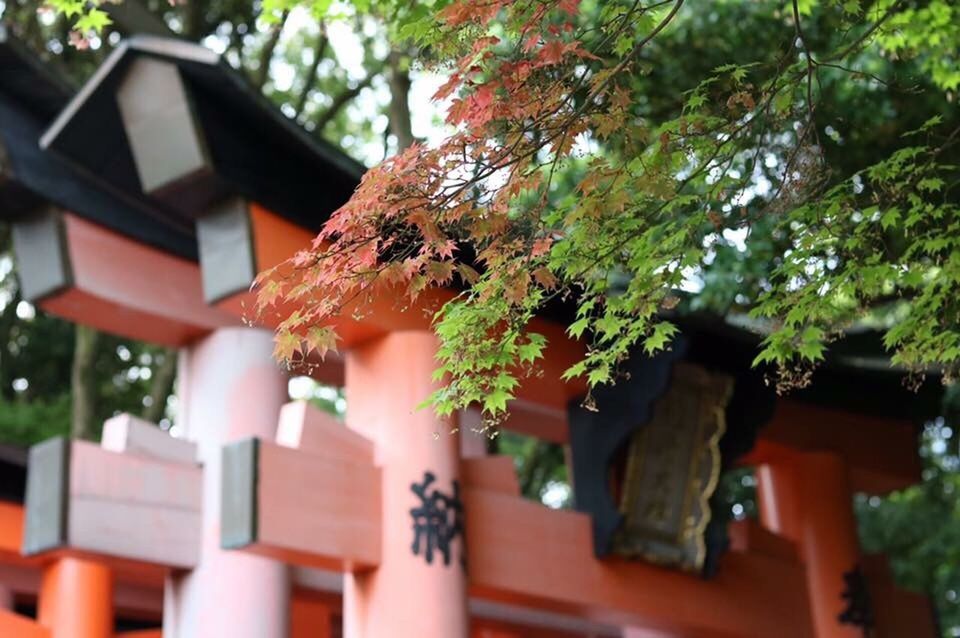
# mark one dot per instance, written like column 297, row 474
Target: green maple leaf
column 95, row 20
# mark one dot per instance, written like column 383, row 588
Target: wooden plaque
column 673, row 464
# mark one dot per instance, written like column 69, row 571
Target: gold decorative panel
column 673, row 463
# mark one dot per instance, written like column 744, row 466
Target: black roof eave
column 24, row 75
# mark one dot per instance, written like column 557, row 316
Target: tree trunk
column 83, row 383
column 266, row 54
column 193, row 23
column 399, row 78
column 161, row 385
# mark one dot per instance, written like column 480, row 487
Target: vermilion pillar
column 310, row 618
column 777, row 496
column 76, row 599
column 807, row 498
column 417, row 591
column 229, row 387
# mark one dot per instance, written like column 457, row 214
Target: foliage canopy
column 566, row 176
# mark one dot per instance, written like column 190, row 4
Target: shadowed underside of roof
column 13, row 473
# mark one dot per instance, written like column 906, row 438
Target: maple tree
column 557, row 182
column 539, row 90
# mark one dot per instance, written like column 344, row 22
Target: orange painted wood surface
column 15, row 626
column 813, row 488
column 11, row 530
column 386, row 378
column 230, row 388
column 749, row 536
column 488, row 628
column 132, row 290
column 881, row 453
column 76, row 599
column 310, row 429
column 524, row 553
column 898, row 612
column 496, row 473
column 313, row 615
column 317, row 511
column 539, row 420
column 132, row 507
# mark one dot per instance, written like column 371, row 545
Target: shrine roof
column 24, row 76
column 255, row 152
column 855, row 376
column 31, row 95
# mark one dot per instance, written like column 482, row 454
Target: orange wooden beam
column 130, row 289
column 495, row 473
column 881, row 453
column 490, row 628
column 334, row 523
column 898, row 612
column 519, row 552
column 813, row 505
column 139, row 586
column 17, row 626
column 524, row 553
column 749, row 536
column 11, row 531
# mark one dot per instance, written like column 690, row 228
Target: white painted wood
column 132, row 507
column 229, row 388
column 127, row 434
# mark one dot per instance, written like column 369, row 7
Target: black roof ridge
column 178, row 50
column 31, row 94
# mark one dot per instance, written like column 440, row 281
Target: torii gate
column 258, row 486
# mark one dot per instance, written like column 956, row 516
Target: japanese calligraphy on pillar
column 673, row 465
column 858, row 609
column 437, row 520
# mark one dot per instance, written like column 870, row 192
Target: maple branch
column 638, row 47
column 811, row 66
column 311, row 78
column 853, row 46
column 266, row 55
column 341, row 100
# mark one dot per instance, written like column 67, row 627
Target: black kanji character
column 437, row 521
column 859, row 609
